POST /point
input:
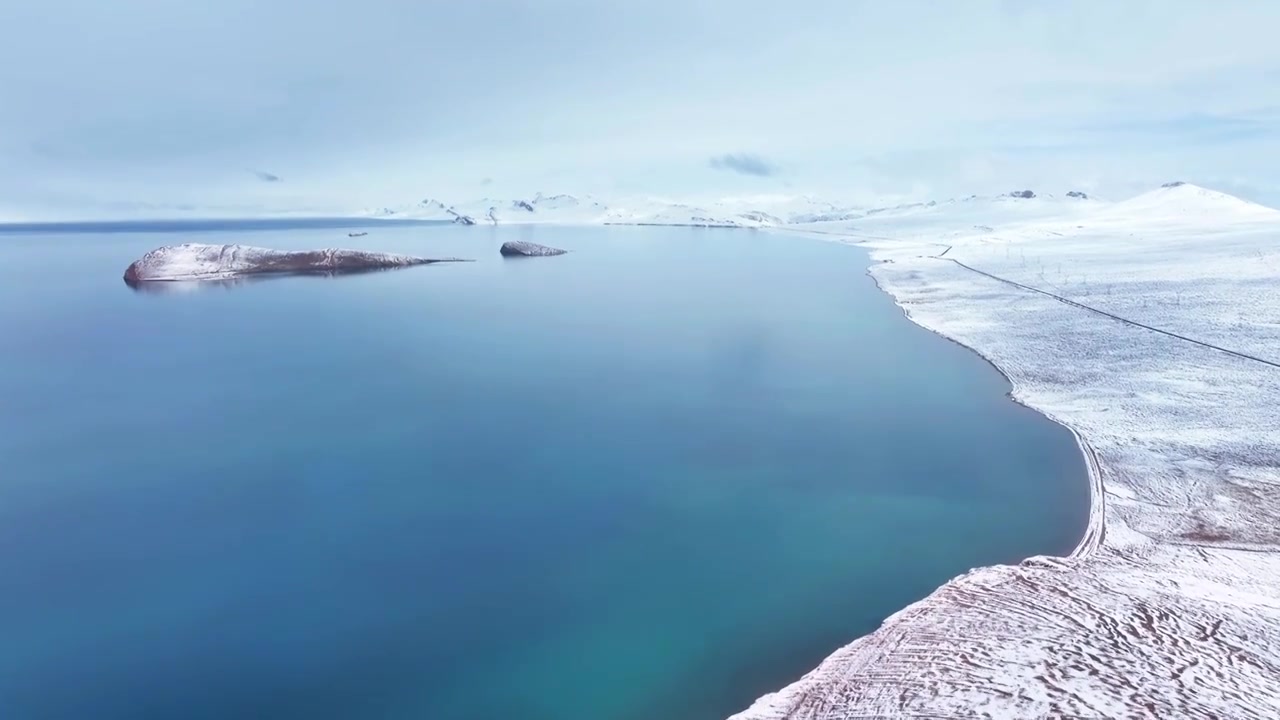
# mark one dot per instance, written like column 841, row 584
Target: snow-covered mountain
column 1171, row 203
column 1181, row 201
column 975, row 214
column 753, row 211
column 426, row 209
column 778, row 209
column 653, row 211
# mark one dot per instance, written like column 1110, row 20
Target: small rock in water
column 520, row 248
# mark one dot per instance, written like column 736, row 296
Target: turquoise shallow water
column 654, row 478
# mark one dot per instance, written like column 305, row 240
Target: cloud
column 972, row 97
column 265, row 176
column 744, row 164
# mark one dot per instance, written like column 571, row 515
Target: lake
column 654, row 478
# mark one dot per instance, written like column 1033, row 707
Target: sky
column 165, row 107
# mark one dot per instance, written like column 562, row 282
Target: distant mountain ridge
column 1172, row 199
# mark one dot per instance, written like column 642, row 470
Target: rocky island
column 196, row 261
column 520, row 248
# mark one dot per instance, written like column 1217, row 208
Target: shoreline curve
column 1095, row 525
column 1169, row 605
column 1090, row 542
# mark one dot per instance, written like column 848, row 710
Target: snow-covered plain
column 1151, row 328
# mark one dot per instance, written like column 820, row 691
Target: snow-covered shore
column 1147, row 327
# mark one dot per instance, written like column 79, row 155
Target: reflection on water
column 186, row 287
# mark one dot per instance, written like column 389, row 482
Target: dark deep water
column 654, row 478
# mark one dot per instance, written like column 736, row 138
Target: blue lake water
column 654, row 478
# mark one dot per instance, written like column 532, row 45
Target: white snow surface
column 1170, row 606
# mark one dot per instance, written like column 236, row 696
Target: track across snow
column 1113, row 316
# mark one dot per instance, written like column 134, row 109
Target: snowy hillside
column 427, row 209
column 783, row 209
column 563, row 209
column 1180, row 202
column 544, row 209
column 1150, row 327
column 956, row 217
column 661, row 212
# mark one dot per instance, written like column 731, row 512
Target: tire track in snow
column 1113, row 316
